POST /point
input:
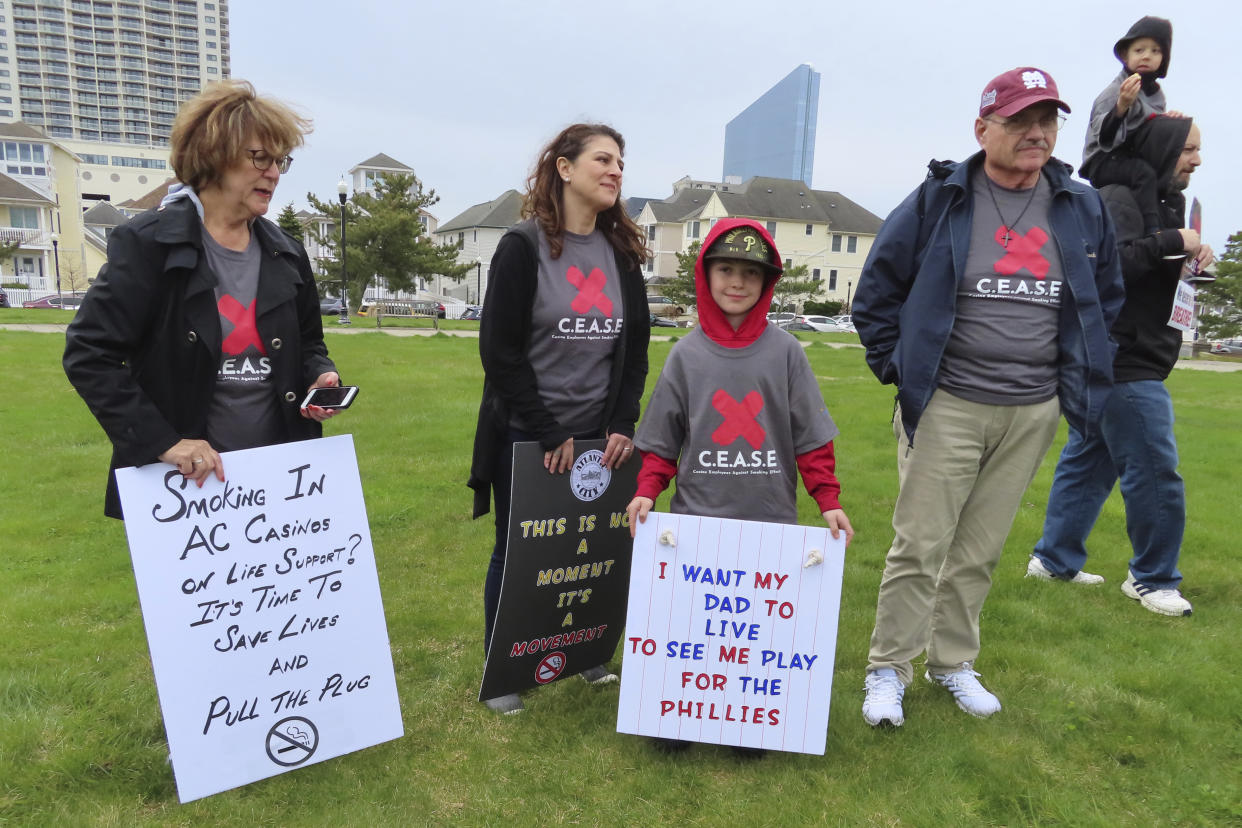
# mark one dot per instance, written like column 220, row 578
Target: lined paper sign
column 731, row 632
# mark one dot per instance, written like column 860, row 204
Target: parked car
column 67, row 302
column 845, row 322
column 661, row 322
column 818, row 323
column 795, row 325
column 329, row 306
column 663, row 306
column 474, row 312
column 781, row 320
column 1221, row 348
column 4, row 299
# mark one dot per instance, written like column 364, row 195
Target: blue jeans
column 1135, row 444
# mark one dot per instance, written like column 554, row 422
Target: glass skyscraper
column 775, row 135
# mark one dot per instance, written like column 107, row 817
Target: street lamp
column 478, row 280
column 849, row 286
column 56, row 256
column 341, row 189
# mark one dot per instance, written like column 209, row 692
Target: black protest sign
column 567, row 570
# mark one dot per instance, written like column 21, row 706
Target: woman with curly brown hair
column 570, row 267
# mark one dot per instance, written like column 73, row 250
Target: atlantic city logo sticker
column 589, row 477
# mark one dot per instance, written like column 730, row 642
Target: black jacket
column 144, row 349
column 1147, row 347
column 509, row 380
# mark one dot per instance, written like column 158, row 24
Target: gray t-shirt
column 1004, row 349
column 736, row 419
column 576, row 321
column 244, row 412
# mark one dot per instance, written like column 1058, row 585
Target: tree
column 680, row 288
column 7, row 251
column 73, row 277
column 793, row 286
column 288, row 221
column 832, row 307
column 385, row 238
column 1220, row 302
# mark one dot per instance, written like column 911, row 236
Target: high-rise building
column 111, row 71
column 775, row 135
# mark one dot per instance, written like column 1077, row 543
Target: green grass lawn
column 1113, row 715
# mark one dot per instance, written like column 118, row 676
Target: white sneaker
column 882, row 705
column 1036, row 569
column 971, row 696
column 1162, row 601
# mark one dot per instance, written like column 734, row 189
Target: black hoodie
column 1147, row 346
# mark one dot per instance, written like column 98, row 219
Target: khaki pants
column 961, row 485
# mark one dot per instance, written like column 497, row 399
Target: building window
column 832, row 280
column 836, row 242
column 810, row 228
column 692, row 229
column 26, row 218
column 815, row 275
column 851, row 244
column 771, row 227
column 788, row 263
column 650, row 232
column 143, row 163
column 651, row 265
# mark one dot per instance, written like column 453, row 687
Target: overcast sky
column 467, row 93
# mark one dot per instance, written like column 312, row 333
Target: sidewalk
column 1188, row 364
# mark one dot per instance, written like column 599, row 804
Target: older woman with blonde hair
column 202, row 332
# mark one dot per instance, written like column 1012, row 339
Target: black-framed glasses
column 262, row 160
column 1020, row 126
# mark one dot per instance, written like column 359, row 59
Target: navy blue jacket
column 907, row 292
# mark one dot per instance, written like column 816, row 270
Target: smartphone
column 336, row 396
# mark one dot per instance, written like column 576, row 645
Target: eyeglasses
column 262, row 160
column 1020, row 126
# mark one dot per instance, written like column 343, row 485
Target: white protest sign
column 731, row 632
column 263, row 612
column 1183, row 314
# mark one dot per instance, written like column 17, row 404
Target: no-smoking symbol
column 292, row 741
column 550, row 667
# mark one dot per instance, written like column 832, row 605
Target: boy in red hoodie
column 737, row 409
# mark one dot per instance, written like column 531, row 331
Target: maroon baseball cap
column 1017, row 89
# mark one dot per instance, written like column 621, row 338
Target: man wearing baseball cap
column 987, row 300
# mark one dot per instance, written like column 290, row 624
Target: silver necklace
column 1005, row 239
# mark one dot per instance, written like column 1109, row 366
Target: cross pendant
column 1005, row 238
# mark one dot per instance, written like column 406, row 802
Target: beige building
column 39, row 211
column 821, row 229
